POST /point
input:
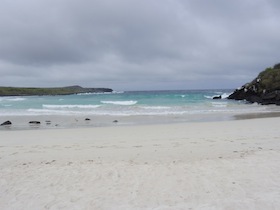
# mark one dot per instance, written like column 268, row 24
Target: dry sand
column 217, row 165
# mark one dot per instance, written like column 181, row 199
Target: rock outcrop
column 265, row 89
column 6, row 123
column 35, row 122
column 217, row 97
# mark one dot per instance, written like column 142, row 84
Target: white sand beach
column 208, row 165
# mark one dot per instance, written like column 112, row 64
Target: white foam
column 12, row 99
column 210, row 97
column 219, row 104
column 69, row 106
column 118, row 92
column 102, row 93
column 223, row 95
column 50, row 112
column 125, row 103
column 155, row 107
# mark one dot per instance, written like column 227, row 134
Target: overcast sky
column 137, row 44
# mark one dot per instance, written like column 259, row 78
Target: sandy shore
column 78, row 121
column 213, row 165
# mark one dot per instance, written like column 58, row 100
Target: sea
column 126, row 107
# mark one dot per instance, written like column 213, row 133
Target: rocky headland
column 20, row 91
column 264, row 89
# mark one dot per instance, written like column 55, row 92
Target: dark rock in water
column 115, row 121
column 217, row 97
column 6, row 123
column 35, row 122
column 48, row 122
column 87, row 119
column 265, row 89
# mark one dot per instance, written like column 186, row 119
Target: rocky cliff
column 265, row 89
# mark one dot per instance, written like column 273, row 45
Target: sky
column 137, row 44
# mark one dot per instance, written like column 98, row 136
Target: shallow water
column 127, row 108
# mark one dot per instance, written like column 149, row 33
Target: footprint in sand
column 50, row 162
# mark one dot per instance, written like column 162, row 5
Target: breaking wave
column 70, row 106
column 12, row 99
column 224, row 95
column 124, row 103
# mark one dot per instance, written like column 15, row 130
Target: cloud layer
column 132, row 44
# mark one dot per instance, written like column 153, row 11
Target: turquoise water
column 137, row 103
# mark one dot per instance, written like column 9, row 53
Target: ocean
column 129, row 107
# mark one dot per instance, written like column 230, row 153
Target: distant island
column 32, row 91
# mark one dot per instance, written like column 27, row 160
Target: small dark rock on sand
column 34, row 122
column 115, row 121
column 6, row 123
column 87, row 119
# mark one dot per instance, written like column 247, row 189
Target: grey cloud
column 181, row 44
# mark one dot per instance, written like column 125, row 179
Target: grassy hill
column 19, row 91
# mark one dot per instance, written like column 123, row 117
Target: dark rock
column 265, row 89
column 217, row 97
column 87, row 119
column 35, row 122
column 276, row 66
column 115, row 121
column 6, row 123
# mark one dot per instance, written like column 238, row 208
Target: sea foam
column 223, row 95
column 125, row 103
column 12, row 99
column 155, row 107
column 70, row 106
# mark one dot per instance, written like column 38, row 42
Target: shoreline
column 137, row 133
column 92, row 121
column 256, row 115
column 199, row 165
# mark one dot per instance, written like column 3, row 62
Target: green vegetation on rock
column 270, row 79
column 265, row 89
